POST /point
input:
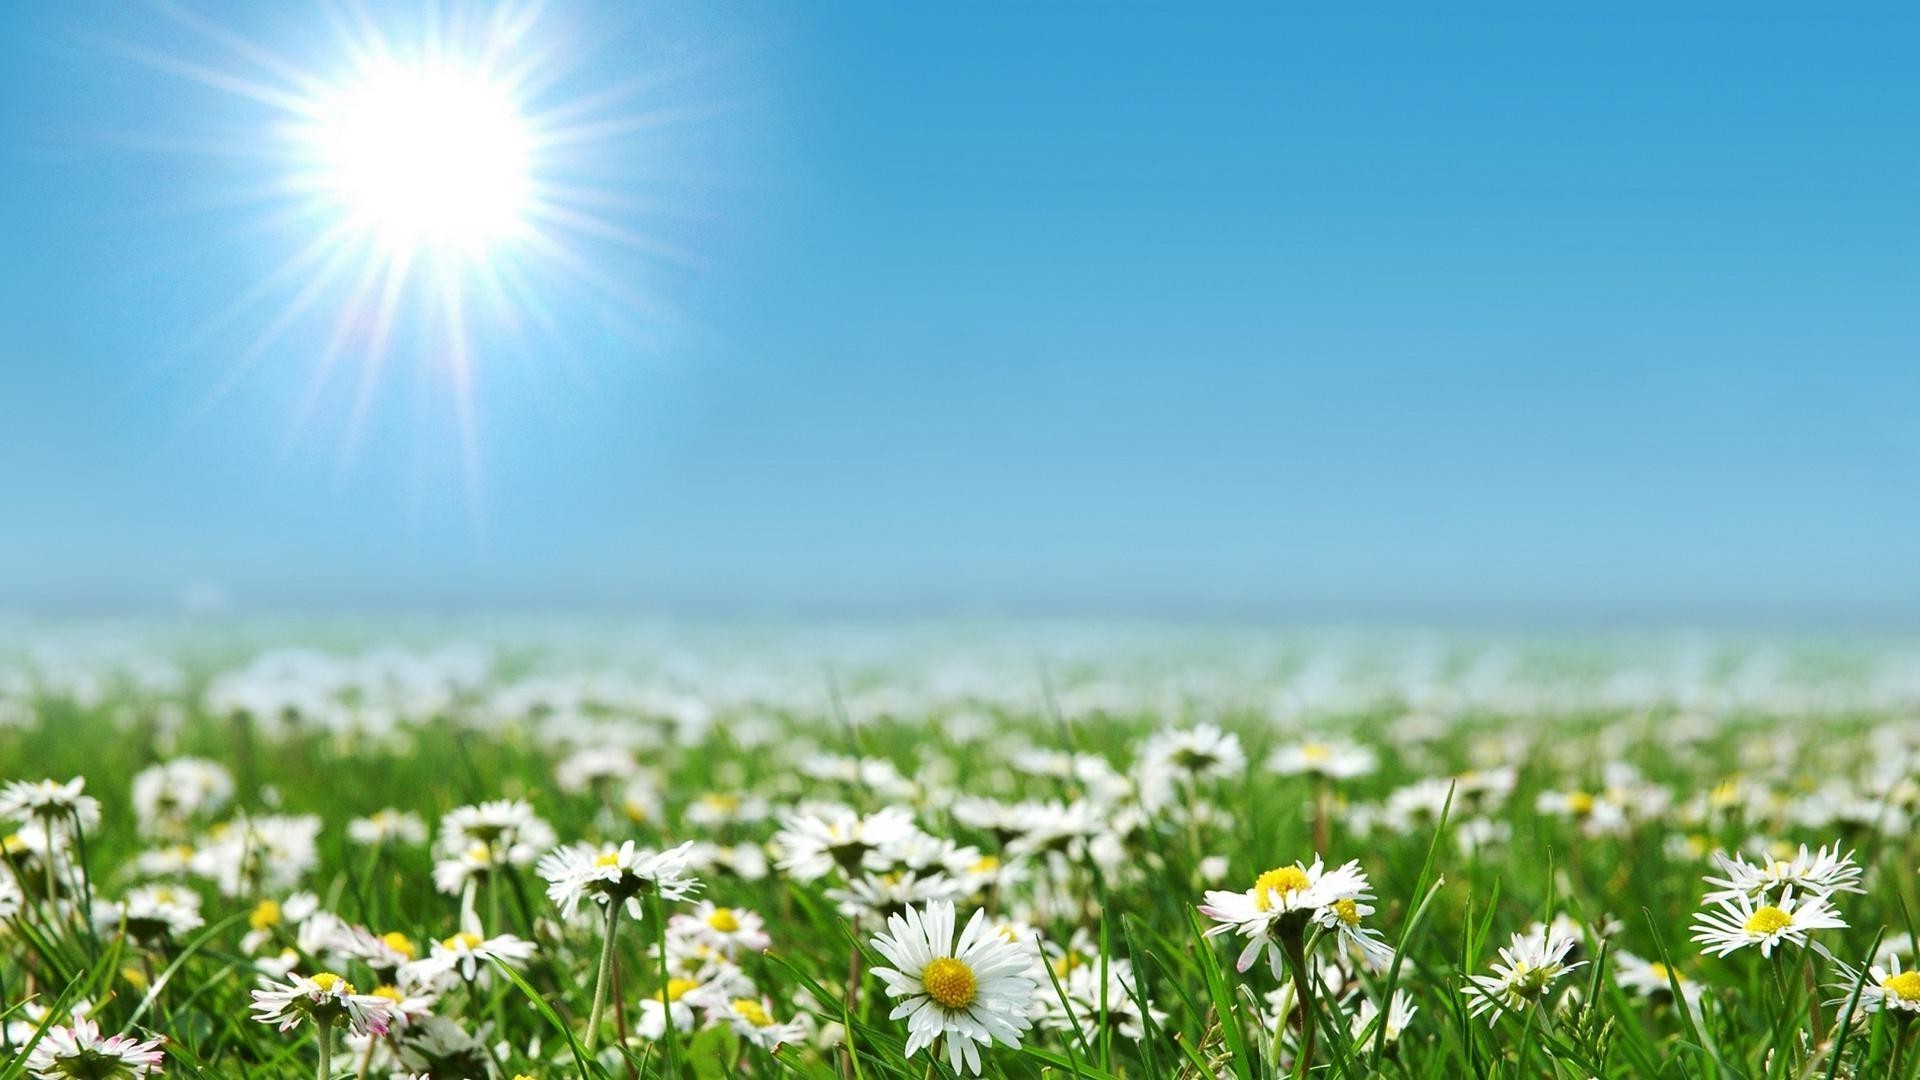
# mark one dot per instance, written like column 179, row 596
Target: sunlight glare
column 427, row 155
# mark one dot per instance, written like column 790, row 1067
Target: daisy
column 465, row 953
column 817, row 843
column 1820, row 873
column 676, row 1002
column 51, row 803
column 1887, row 988
column 1649, row 978
column 1597, row 815
column 1336, row 759
column 79, row 1051
column 1186, row 758
column 723, row 929
column 1343, row 917
column 506, row 827
column 973, row 992
column 153, row 913
column 1528, row 966
column 585, row 770
column 1086, row 996
column 388, row 826
column 326, row 999
column 454, row 874
column 1399, row 1015
column 752, row 1019
column 1275, row 912
column 622, row 875
column 883, row 896
column 385, row 953
column 1741, row 922
column 1204, row 752
column 168, row 794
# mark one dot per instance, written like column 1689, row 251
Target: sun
column 430, row 156
column 453, row 189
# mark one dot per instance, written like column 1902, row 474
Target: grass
column 1451, row 885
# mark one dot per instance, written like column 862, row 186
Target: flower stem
column 605, row 976
column 1303, row 994
column 666, row 1004
column 323, row 1038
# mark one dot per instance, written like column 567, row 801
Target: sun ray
column 399, row 262
column 454, row 171
column 288, row 315
column 264, row 58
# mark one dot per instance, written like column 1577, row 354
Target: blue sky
column 1010, row 307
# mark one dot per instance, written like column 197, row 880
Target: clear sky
column 1184, row 309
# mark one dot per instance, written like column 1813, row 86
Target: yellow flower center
column 391, row 993
column 611, row 858
column 327, row 981
column 399, row 943
column 1579, row 803
column 465, row 939
column 948, row 982
column 1904, row 985
column 750, row 1011
column 679, row 988
column 636, row 813
column 1280, row 880
column 988, row 864
column 1348, row 911
column 1316, row 752
column 723, row 920
column 266, row 913
column 723, row 803
column 1768, row 920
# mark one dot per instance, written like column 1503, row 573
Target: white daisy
column 153, row 912
column 168, row 794
column 326, row 999
column 388, row 826
column 468, row 953
column 1649, row 978
column 1280, row 904
column 725, row 930
column 622, row 875
column 1528, row 966
column 1336, row 759
column 1820, row 873
column 508, row 828
column 752, row 1019
column 817, row 843
column 1399, row 1014
column 1741, row 922
column 55, row 805
column 1888, row 988
column 973, row 992
column 64, row 1052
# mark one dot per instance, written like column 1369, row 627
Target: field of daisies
column 647, row 853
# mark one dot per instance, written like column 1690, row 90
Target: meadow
column 582, row 852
